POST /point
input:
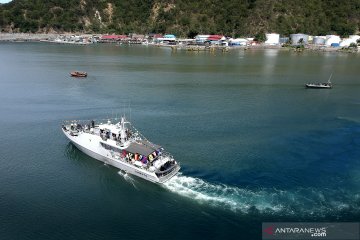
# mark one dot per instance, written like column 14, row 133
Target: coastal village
column 200, row 42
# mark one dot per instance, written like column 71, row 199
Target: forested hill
column 182, row 17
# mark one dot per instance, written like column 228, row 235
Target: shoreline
column 51, row 38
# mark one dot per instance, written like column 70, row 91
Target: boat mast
column 123, row 131
column 330, row 78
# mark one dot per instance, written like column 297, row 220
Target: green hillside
column 182, row 17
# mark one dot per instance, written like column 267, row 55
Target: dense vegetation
column 182, row 17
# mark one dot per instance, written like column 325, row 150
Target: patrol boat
column 122, row 146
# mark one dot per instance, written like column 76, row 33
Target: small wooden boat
column 320, row 85
column 78, row 74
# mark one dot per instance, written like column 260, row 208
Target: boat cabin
column 125, row 143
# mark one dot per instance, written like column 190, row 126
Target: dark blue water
column 253, row 143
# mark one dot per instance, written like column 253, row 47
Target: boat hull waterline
column 318, row 85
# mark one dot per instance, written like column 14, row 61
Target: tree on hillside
column 185, row 17
column 192, row 34
column 260, row 37
column 353, row 45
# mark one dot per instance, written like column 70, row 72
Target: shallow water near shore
column 253, row 143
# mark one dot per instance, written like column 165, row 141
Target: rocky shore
column 26, row 37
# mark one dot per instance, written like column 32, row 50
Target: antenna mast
column 130, row 110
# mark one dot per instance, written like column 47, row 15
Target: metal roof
column 142, row 149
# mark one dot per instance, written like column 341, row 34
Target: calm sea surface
column 253, row 143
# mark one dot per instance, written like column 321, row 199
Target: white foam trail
column 219, row 194
column 349, row 119
column 127, row 178
column 307, row 201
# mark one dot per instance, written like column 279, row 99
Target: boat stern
column 166, row 177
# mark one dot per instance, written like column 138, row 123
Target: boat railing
column 118, row 156
column 96, row 121
column 88, row 124
column 167, row 154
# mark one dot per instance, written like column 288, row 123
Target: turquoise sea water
column 253, row 143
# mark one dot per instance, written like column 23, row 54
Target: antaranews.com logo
column 302, row 230
column 313, row 232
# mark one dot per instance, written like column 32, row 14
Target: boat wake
column 349, row 119
column 127, row 178
column 302, row 201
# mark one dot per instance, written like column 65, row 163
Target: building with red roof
column 215, row 37
column 113, row 38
